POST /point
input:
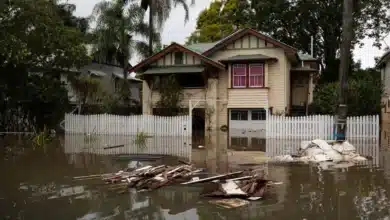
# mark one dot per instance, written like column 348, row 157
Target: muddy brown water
column 37, row 184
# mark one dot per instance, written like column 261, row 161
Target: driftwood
column 115, row 146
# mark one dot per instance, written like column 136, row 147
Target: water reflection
column 38, row 186
column 176, row 146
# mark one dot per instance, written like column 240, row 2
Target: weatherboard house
column 383, row 65
column 241, row 77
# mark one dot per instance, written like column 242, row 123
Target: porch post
column 146, row 99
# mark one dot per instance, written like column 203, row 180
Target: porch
column 301, row 90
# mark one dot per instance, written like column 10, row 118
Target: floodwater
column 37, row 184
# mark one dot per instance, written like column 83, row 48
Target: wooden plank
column 212, row 178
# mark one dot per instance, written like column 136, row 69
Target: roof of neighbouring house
column 201, row 47
column 384, row 58
column 306, row 57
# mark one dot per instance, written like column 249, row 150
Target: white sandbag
column 334, row 155
column 284, row 158
column 304, row 159
column 322, row 144
column 320, row 158
column 310, row 152
column 359, row 158
column 344, row 148
column 304, row 145
column 354, row 157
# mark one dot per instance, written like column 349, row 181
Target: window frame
column 247, row 75
column 261, row 112
column 234, row 66
column 241, row 111
column 176, row 58
column 261, row 74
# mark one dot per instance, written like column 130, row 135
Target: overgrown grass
column 141, row 139
column 42, row 139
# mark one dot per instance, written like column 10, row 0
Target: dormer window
column 178, row 58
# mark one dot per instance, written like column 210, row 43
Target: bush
column 363, row 96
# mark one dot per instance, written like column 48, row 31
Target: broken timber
column 247, row 185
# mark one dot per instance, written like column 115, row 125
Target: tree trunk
column 151, row 8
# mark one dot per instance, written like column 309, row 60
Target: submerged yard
column 37, row 184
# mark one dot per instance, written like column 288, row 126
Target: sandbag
column 344, row 148
column 320, row 158
column 310, row 152
column 334, row 155
column 322, row 144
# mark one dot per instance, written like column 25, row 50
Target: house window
column 256, row 75
column 248, row 75
column 259, row 115
column 239, row 75
column 191, row 80
column 239, row 115
column 179, row 58
column 239, row 141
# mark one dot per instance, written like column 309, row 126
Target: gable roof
column 241, row 33
column 175, row 46
column 306, row 57
column 384, row 58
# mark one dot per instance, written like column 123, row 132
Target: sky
column 176, row 30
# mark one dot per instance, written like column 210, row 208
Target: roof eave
column 170, row 48
column 242, row 33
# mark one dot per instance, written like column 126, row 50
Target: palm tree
column 117, row 22
column 159, row 11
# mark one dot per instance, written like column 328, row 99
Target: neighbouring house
column 241, row 78
column 383, row 65
column 109, row 74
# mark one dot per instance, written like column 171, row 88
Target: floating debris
column 247, row 185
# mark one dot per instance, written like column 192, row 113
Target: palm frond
column 114, row 21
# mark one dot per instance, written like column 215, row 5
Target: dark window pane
column 191, row 80
column 239, row 141
column 178, row 58
column 260, row 114
column 239, row 115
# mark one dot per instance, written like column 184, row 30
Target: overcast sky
column 175, row 30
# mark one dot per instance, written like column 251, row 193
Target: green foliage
column 87, row 88
column 40, row 37
column 42, row 139
column 213, row 23
column 163, row 8
column 36, row 36
column 141, row 139
column 364, row 95
column 117, row 24
column 171, row 94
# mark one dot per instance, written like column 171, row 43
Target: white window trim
column 250, row 74
column 239, row 66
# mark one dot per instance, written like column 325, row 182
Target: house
column 241, row 78
column 383, row 65
column 109, row 74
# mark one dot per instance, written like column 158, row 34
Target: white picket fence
column 161, row 145
column 320, row 126
column 105, row 124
